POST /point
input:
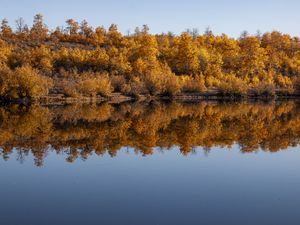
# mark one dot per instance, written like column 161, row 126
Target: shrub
column 161, row 80
column 264, row 88
column 171, row 85
column 153, row 82
column 5, row 52
column 92, row 84
column 24, row 82
column 196, row 84
column 86, row 84
column 285, row 83
column 232, row 85
column 137, row 87
column 296, row 83
column 69, row 88
column 104, row 86
column 211, row 81
column 5, row 76
column 117, row 82
column 41, row 58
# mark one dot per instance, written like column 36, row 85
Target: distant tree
column 20, row 25
column 137, row 31
column 58, row 34
column 99, row 36
column 86, row 29
column 258, row 34
column 244, row 34
column 22, row 29
column 72, row 27
column 39, row 30
column 193, row 32
column 145, row 29
column 114, row 37
column 208, row 31
column 6, row 30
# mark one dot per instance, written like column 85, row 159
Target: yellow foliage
column 91, row 86
column 5, row 52
column 151, row 64
column 190, row 84
column 86, row 84
column 284, row 82
column 24, row 82
column 263, row 88
column 186, row 55
column 41, row 58
column 233, row 85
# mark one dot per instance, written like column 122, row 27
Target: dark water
column 157, row 163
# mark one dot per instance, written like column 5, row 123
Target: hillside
column 80, row 61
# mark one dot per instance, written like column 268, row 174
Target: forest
column 78, row 60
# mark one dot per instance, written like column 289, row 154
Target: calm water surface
column 151, row 164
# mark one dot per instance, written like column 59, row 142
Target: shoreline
column 118, row 98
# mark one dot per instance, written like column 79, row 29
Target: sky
column 231, row 17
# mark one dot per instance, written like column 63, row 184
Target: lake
column 151, row 163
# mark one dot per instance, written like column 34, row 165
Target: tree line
column 79, row 60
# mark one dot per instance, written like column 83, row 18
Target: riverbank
column 182, row 97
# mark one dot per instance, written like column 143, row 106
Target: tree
column 22, row 29
column 58, row 35
column 86, row 29
column 186, row 55
column 229, row 49
column 99, row 36
column 144, row 53
column 39, row 30
column 146, row 47
column 252, row 58
column 72, row 27
column 114, row 37
column 6, row 31
column 20, row 25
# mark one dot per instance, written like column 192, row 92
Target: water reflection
column 77, row 131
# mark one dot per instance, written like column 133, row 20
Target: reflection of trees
column 79, row 131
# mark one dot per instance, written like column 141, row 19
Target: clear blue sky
column 227, row 16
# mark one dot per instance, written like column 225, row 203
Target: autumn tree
column 85, row 29
column 22, row 29
column 252, row 59
column 99, row 36
column 185, row 58
column 6, row 31
column 39, row 30
column 146, row 48
column 113, row 37
column 72, row 27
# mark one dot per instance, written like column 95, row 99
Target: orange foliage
column 155, row 64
